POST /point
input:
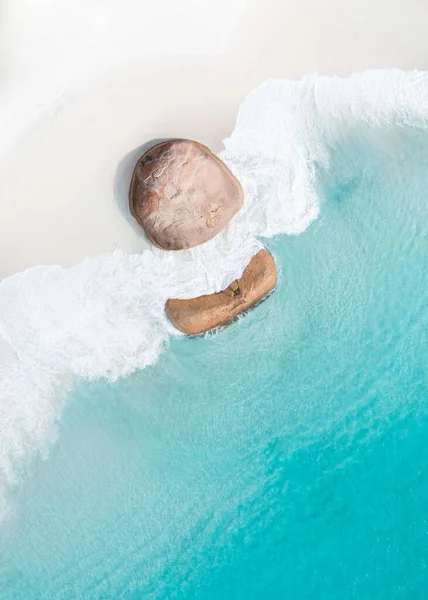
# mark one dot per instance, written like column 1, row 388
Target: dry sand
column 86, row 83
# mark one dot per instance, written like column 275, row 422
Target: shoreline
column 105, row 317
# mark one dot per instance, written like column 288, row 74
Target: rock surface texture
column 207, row 312
column 182, row 195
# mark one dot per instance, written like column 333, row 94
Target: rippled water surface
column 283, row 457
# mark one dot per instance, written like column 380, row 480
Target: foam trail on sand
column 105, row 317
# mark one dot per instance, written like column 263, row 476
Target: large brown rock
column 182, row 195
column 206, row 312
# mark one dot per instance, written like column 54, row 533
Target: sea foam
column 105, row 317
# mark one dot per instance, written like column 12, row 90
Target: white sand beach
column 81, row 93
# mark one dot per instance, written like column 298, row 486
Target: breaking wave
column 105, row 317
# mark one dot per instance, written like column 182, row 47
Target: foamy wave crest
column 105, row 317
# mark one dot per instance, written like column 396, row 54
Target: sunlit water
column 282, row 457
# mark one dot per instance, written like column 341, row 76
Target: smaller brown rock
column 207, row 312
column 182, row 195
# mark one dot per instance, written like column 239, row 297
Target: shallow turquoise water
column 284, row 457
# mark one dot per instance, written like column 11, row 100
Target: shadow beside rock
column 122, row 181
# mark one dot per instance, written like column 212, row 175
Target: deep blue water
column 284, row 457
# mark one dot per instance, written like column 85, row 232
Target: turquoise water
column 283, row 457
